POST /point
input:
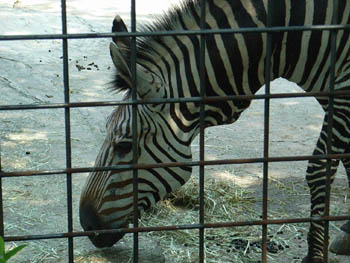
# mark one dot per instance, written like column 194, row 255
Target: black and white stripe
column 169, row 66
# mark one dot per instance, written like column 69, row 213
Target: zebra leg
column 341, row 244
column 316, row 178
column 316, row 174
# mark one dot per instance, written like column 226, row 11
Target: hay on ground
column 223, row 202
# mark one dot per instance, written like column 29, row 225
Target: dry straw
column 223, row 202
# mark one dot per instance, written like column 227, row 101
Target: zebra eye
column 122, row 148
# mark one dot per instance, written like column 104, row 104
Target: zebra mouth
column 105, row 240
column 91, row 221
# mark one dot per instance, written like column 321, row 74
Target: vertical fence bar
column 67, row 131
column 333, row 39
column 202, row 133
column 2, row 230
column 134, row 131
column 266, row 133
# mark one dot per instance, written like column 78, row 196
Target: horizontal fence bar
column 179, row 227
column 124, row 167
column 174, row 100
column 177, row 33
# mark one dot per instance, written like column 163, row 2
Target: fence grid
column 202, row 99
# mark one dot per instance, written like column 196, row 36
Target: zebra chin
column 105, row 240
column 91, row 221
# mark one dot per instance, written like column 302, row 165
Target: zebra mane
column 146, row 54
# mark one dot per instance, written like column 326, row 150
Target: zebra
column 169, row 66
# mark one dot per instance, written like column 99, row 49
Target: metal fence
column 68, row 171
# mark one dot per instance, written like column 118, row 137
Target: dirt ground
column 31, row 72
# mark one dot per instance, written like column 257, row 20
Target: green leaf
column 13, row 252
column 2, row 260
column 2, row 247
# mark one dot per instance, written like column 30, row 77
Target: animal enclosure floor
column 31, row 72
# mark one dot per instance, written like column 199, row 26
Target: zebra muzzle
column 90, row 221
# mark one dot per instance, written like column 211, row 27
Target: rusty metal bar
column 67, row 131
column 180, row 227
column 2, row 230
column 172, row 33
column 177, row 164
column 338, row 93
column 333, row 35
column 266, row 134
column 202, row 75
column 134, row 132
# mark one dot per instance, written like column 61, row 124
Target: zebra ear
column 119, row 61
column 148, row 84
column 119, row 26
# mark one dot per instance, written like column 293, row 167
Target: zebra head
column 107, row 198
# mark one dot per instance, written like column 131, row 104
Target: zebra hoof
column 341, row 245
